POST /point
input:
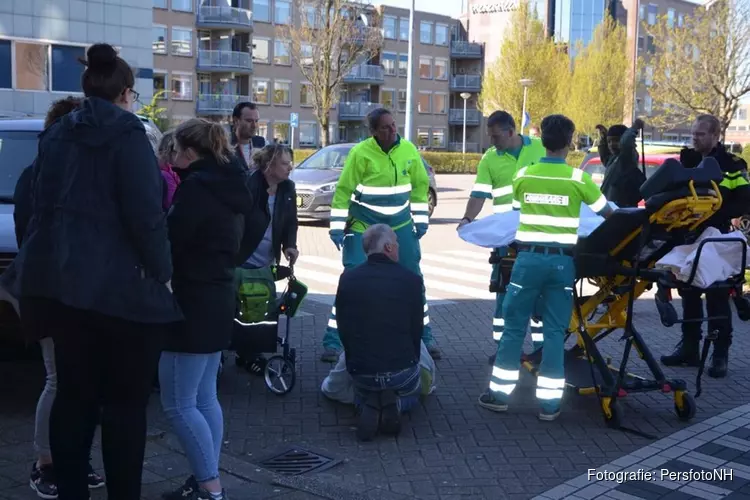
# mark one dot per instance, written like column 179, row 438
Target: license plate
column 299, row 201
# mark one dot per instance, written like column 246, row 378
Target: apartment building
column 739, row 128
column 41, row 42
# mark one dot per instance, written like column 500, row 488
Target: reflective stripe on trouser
column 535, row 275
column 409, row 255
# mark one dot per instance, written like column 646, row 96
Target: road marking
column 470, row 254
column 459, row 263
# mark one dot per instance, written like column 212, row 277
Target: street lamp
column 465, row 96
column 526, row 82
column 409, row 70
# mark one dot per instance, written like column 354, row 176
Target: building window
column 261, row 11
column 182, row 41
column 305, row 94
column 282, row 93
column 438, row 138
column 650, row 46
column 260, row 91
column 403, row 29
column 647, row 104
column 182, row 5
column 441, row 69
column 389, row 27
column 311, row 17
column 441, row 34
column 439, row 104
column 160, row 83
column 389, row 63
column 306, row 54
column 262, row 129
column 282, row 12
column 741, row 114
column 649, row 77
column 680, row 19
column 424, row 104
column 261, row 50
column 653, row 11
column 6, row 81
column 670, row 18
column 386, row 98
column 159, row 4
column 281, row 54
column 641, row 12
column 423, row 137
column 425, row 32
column 66, row 71
column 281, row 132
column 403, row 64
column 159, row 44
column 308, row 134
column 425, row 67
column 402, row 100
column 32, row 66
column 182, row 87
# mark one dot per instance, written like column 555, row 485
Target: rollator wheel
column 688, row 407
column 280, row 375
column 614, row 420
column 239, row 361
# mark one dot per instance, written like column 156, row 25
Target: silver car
column 317, row 175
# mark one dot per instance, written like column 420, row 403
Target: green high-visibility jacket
column 376, row 187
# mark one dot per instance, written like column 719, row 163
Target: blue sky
column 445, row 7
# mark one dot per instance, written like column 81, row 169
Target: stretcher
column 618, row 258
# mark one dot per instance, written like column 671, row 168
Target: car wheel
column 431, row 201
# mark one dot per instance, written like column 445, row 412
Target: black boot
column 720, row 359
column 687, row 353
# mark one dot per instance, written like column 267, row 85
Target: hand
column 168, row 284
column 337, row 236
column 421, row 230
column 291, row 254
column 638, row 124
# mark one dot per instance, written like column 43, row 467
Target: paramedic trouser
column 498, row 322
column 717, row 306
column 550, row 274
column 409, row 256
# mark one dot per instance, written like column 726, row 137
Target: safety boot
column 686, row 353
column 720, row 359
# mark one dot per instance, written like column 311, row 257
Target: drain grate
column 297, row 461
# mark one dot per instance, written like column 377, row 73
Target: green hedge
column 448, row 163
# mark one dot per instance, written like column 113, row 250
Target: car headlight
column 327, row 188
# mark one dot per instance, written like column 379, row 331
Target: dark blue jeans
column 407, row 384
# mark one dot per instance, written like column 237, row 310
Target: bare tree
column 327, row 40
column 701, row 65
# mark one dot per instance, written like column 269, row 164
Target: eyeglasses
column 136, row 95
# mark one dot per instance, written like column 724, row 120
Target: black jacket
column 379, row 314
column 97, row 237
column 256, row 141
column 623, row 177
column 735, row 189
column 284, row 217
column 22, row 203
column 206, row 225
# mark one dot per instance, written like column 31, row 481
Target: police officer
column 735, row 192
column 509, row 152
column 549, row 196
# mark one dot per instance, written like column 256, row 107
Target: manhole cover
column 298, row 461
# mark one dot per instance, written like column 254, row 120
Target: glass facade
column 576, row 20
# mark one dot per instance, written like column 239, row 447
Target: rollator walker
column 618, row 258
column 256, row 325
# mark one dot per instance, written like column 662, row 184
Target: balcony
column 469, row 83
column 362, row 32
column 466, row 50
column 456, row 116
column 218, row 104
column 224, row 17
column 471, row 147
column 365, row 73
column 225, row 61
column 355, row 110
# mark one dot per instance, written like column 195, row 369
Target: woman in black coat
column 206, row 227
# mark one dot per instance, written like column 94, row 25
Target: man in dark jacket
column 245, row 119
column 380, row 314
column 618, row 153
column 735, row 192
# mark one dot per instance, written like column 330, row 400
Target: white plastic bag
column 718, row 260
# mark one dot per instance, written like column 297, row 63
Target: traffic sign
column 294, row 120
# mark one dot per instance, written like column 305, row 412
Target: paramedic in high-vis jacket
column 383, row 182
column 509, row 152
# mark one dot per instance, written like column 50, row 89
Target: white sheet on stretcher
column 499, row 230
column 719, row 261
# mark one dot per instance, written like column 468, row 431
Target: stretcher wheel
column 280, row 375
column 614, row 418
column 688, row 406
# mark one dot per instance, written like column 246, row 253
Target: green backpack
column 256, row 297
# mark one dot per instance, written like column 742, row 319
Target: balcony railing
column 224, row 15
column 362, row 33
column 218, row 104
column 467, row 50
column 471, row 147
column 355, row 110
column 456, row 116
column 225, row 60
column 365, row 73
column 467, row 82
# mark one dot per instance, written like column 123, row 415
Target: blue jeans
column 188, row 397
column 407, row 384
